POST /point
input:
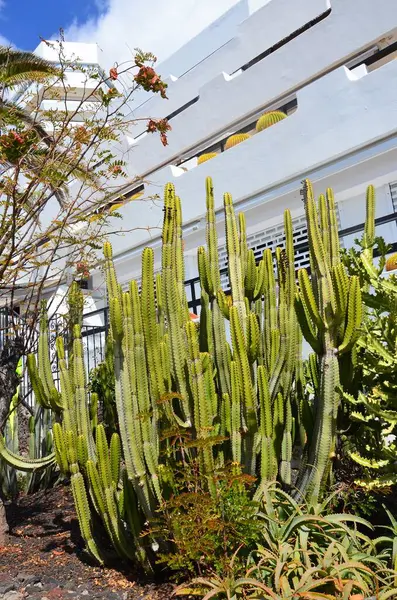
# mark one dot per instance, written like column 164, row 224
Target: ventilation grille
column 138, row 279
column 274, row 237
column 393, row 194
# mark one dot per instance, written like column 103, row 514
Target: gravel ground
column 44, row 557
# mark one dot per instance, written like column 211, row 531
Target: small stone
column 85, row 593
column 38, row 584
column 27, row 578
column 56, row 593
column 6, row 587
column 47, row 579
column 70, row 585
column 47, row 587
column 12, row 595
column 31, row 589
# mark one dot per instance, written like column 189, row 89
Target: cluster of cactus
column 266, row 120
column 269, row 118
column 185, row 394
column 207, row 156
column 235, row 139
column 329, row 310
column 256, row 378
column 39, row 442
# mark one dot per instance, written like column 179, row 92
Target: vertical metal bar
column 88, row 355
column 193, row 294
column 106, row 320
column 95, row 361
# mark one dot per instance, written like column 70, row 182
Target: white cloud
column 158, row 26
column 4, row 41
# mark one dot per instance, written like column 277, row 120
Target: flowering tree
column 60, row 174
column 59, row 166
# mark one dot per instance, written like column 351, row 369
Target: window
column 393, row 194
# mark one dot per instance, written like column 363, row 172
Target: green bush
column 203, row 530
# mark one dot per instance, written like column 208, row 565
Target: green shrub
column 204, row 530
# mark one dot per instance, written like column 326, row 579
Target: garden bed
column 44, row 556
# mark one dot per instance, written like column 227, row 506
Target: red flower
column 151, row 126
column 160, row 125
column 150, row 81
column 18, row 138
column 14, row 145
column 113, row 73
column 82, row 269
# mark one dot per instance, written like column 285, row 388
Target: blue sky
column 22, row 22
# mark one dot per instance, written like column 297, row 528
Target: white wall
column 262, row 30
column 336, row 115
column 343, row 134
column 348, row 177
column 86, row 53
column 348, row 28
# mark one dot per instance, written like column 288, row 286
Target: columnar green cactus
column 236, row 259
column 329, row 310
column 175, row 312
column 41, row 378
column 211, row 283
column 80, row 393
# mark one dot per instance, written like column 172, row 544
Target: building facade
column 329, row 65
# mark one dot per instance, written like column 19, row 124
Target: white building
column 330, row 64
column 76, row 87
